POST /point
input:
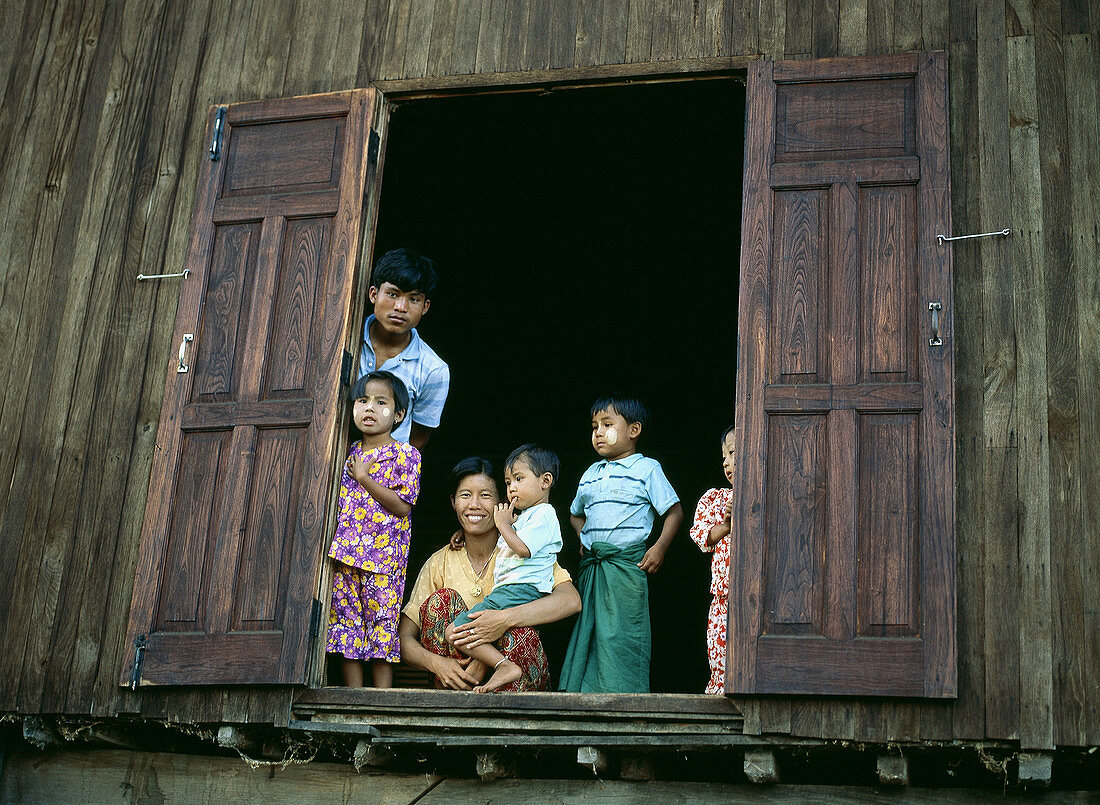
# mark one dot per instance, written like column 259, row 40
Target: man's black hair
column 407, row 270
column 397, row 386
column 628, row 407
column 474, row 465
column 539, row 459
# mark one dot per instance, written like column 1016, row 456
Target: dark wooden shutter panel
column 843, row 554
column 232, row 539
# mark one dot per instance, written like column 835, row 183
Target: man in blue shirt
column 401, row 287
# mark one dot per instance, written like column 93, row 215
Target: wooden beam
column 760, row 766
column 563, row 77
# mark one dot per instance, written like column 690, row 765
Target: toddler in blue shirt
column 617, row 502
column 528, row 545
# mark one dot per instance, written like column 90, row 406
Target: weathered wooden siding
column 100, row 130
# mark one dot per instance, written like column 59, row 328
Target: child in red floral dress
column 380, row 484
column 711, row 532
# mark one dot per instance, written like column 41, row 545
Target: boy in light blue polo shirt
column 618, row 499
column 528, row 546
column 402, row 283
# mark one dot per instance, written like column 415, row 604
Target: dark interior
column 587, row 240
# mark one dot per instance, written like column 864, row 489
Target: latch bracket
column 140, row 643
column 216, row 140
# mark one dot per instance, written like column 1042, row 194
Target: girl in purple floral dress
column 371, row 547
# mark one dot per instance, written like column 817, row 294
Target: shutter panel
column 843, row 562
column 234, row 525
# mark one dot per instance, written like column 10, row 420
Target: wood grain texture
column 1033, row 469
column 82, row 79
column 969, row 712
column 1082, row 55
column 1063, row 407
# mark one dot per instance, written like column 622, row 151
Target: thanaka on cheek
column 611, row 436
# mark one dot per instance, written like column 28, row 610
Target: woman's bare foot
column 507, row 671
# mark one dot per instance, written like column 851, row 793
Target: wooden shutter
column 843, row 562
column 234, row 524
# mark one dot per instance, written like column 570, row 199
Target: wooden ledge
column 563, row 77
column 456, row 718
column 439, row 701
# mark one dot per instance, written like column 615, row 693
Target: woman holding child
column 452, row 581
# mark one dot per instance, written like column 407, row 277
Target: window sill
column 443, row 717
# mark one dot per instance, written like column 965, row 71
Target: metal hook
column 183, row 273
column 1004, row 233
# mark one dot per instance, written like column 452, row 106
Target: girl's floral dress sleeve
column 709, row 513
column 403, row 472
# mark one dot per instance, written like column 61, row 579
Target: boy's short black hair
column 726, row 433
column 627, row 406
column 539, row 459
column 407, row 270
column 397, row 386
column 474, row 465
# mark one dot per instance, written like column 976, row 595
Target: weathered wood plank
column 345, row 55
column 1036, row 651
column 826, row 37
column 800, row 29
column 999, row 524
column 418, row 39
column 84, row 341
column 969, row 712
column 268, row 32
column 467, row 29
column 1019, row 18
column 514, row 43
column 614, row 25
column 852, row 37
column 362, row 699
column 312, row 59
column 964, row 21
column 396, row 40
column 372, row 42
column 537, row 49
column 34, row 413
column 639, row 30
column 880, row 26
column 109, row 776
column 563, row 32
column 564, row 76
column 443, row 36
column 771, row 25
column 936, row 24
column 907, row 25
column 587, row 52
column 1060, row 283
column 1082, row 61
column 104, row 422
column 606, row 792
column 490, row 40
column 718, row 28
column 211, row 76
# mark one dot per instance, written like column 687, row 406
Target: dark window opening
column 587, row 241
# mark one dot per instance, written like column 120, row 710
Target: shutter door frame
column 322, row 206
column 790, row 145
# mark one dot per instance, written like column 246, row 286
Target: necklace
column 484, row 567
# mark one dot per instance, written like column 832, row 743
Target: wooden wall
column 101, row 128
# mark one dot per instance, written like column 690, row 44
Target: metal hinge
column 139, row 660
column 216, row 140
column 315, row 619
column 374, row 142
column 346, row 369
